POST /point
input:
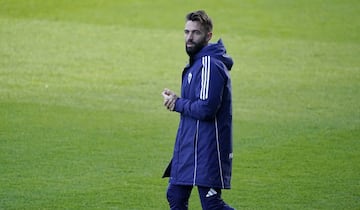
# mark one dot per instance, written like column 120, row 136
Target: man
column 203, row 149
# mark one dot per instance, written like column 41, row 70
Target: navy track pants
column 178, row 198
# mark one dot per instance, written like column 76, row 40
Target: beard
column 196, row 46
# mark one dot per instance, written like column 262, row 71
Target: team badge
column 189, row 78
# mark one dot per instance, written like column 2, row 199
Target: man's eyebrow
column 192, row 30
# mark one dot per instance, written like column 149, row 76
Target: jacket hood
column 218, row 51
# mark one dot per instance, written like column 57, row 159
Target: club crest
column 189, row 77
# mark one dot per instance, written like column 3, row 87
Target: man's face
column 195, row 37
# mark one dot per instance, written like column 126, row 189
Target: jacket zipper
column 195, row 152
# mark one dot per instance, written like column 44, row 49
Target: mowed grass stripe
column 79, row 63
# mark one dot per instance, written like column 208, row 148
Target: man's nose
column 189, row 37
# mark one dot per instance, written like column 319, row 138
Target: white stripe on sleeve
column 205, row 77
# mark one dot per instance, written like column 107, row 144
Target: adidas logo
column 211, row 192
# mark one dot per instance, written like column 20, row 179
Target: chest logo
column 189, row 77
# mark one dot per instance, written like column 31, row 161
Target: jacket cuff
column 179, row 105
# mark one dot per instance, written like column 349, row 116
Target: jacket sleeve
column 208, row 97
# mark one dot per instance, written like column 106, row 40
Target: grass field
column 81, row 119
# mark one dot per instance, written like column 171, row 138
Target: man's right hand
column 169, row 99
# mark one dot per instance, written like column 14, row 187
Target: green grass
column 82, row 124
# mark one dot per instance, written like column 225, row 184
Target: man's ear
column 208, row 36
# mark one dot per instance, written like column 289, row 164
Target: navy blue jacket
column 203, row 147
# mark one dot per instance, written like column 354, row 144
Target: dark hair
column 202, row 17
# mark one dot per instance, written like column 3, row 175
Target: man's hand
column 169, row 99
